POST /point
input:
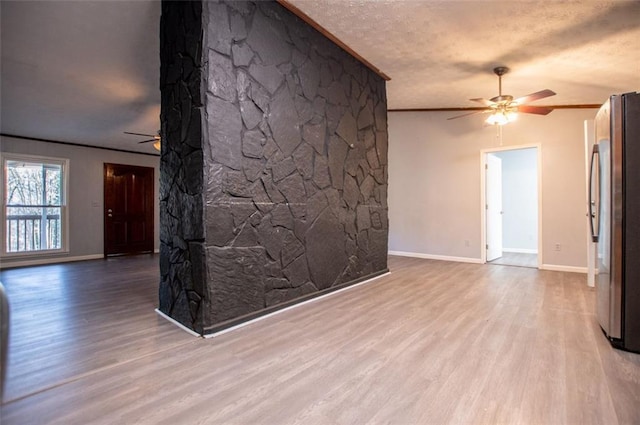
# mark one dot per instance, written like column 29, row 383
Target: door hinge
column 486, row 246
column 486, row 166
column 486, row 206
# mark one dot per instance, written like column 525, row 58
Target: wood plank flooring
column 431, row 343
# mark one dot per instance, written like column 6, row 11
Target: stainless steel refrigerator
column 615, row 219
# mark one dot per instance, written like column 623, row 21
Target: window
column 34, row 212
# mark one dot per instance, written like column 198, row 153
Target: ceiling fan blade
column 538, row 110
column 147, row 141
column 485, row 102
column 140, row 134
column 534, row 96
column 469, row 113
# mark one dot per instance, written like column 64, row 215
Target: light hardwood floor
column 432, row 343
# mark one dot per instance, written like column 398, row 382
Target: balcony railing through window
column 34, row 232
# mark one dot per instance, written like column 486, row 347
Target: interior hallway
column 517, row 259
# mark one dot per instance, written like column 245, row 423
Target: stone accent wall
column 182, row 269
column 274, row 170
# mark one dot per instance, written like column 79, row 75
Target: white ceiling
column 84, row 72
column 81, row 71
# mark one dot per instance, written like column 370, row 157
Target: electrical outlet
column 558, row 247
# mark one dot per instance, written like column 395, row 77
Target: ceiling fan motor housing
column 502, row 98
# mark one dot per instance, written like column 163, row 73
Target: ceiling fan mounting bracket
column 500, row 70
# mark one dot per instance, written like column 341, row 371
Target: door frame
column 494, row 163
column 483, row 195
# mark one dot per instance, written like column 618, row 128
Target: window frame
column 64, row 195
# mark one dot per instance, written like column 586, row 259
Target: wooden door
column 128, row 209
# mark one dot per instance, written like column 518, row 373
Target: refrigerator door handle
column 594, row 203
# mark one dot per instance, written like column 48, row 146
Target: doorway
column 511, row 206
column 128, row 215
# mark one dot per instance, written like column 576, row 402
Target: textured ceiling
column 441, row 53
column 86, row 71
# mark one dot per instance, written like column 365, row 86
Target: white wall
column 519, row 200
column 434, row 182
column 85, row 197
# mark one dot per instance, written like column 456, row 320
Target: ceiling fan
column 504, row 108
column 155, row 138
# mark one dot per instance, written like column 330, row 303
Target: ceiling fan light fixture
column 497, row 118
column 156, row 145
column 501, row 117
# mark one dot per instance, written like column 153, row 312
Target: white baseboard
column 436, row 257
column 248, row 322
column 520, row 250
column 559, row 268
column 178, row 324
column 7, row 264
column 297, row 305
column 550, row 267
